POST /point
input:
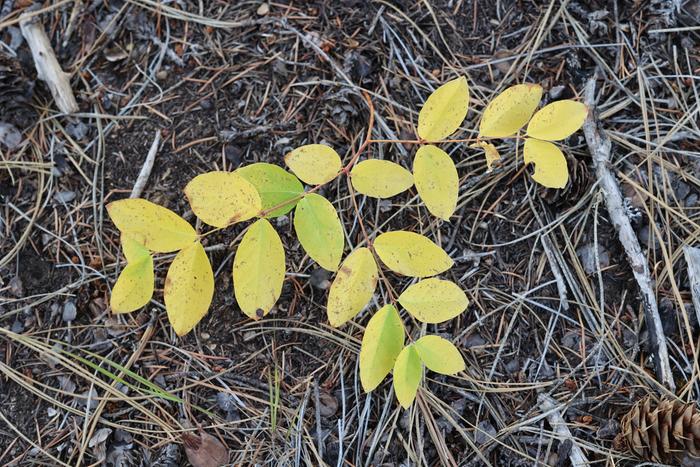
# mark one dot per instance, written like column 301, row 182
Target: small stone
column 485, row 432
column 162, row 74
column 70, row 311
column 17, row 327
column 328, row 405
column 233, row 154
column 10, row 136
column 64, row 196
column 320, row 279
column 77, row 130
column 263, row 9
column 16, row 287
column 556, row 91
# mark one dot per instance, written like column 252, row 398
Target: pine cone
column 663, row 432
column 16, row 90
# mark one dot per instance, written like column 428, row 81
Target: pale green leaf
column 444, row 110
column 258, row 269
column 411, row 254
column 319, row 230
column 134, row 287
column 550, row 163
column 434, row 300
column 314, row 164
column 380, row 179
column 352, row 287
column 439, row 355
column 222, row 198
column 436, row 180
column 557, row 120
column 189, row 288
column 381, row 344
column 408, row 372
column 275, row 187
column 153, row 226
column 509, row 111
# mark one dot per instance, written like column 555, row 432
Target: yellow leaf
column 381, row 344
column 153, row 226
column 352, row 287
column 380, row 179
column 509, row 111
column 134, row 287
column 436, row 180
column 222, row 198
column 434, row 300
column 258, row 269
column 550, row 164
column 319, row 230
column 408, row 372
column 411, row 254
column 444, row 110
column 439, row 355
column 275, row 186
column 490, row 152
column 557, row 120
column 314, row 164
column 189, row 288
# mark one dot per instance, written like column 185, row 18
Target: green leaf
column 134, row 287
column 551, row 168
column 314, row 164
column 319, row 230
column 352, row 287
column 434, row 300
column 407, row 375
column 509, row 111
column 275, row 186
column 557, row 120
column 436, row 180
column 189, row 288
column 439, row 355
column 411, row 254
column 222, row 198
column 258, row 269
column 380, row 179
column 444, row 110
column 381, row 344
column 153, row 226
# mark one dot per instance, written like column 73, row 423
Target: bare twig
column 145, row 172
column 550, row 408
column 599, row 145
column 692, row 259
column 47, row 66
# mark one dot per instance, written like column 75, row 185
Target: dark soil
column 227, row 84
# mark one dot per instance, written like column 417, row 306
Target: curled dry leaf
column 492, row 155
column 204, row 450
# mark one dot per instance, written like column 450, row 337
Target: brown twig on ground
column 145, row 172
column 599, row 145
